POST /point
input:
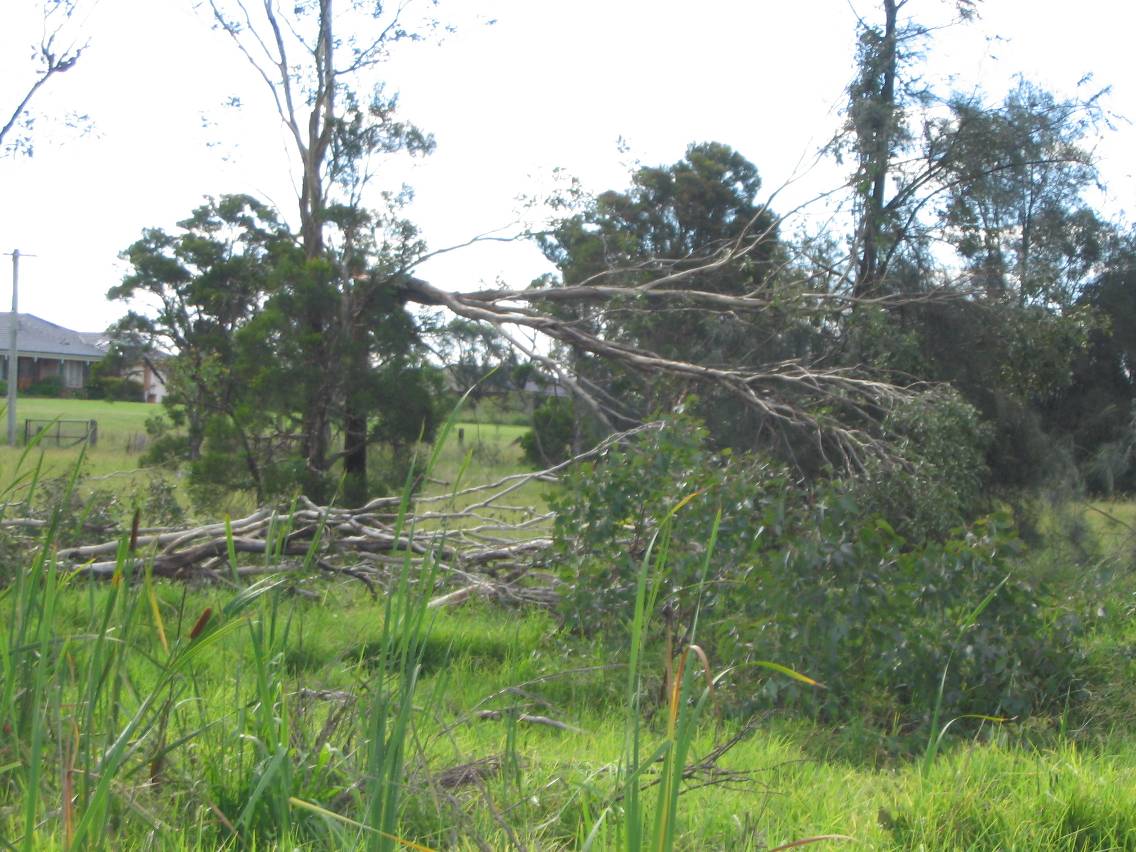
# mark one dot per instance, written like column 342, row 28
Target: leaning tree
column 318, row 80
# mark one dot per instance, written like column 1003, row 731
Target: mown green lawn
column 117, row 420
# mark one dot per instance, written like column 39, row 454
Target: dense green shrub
column 552, row 435
column 609, row 509
column 166, row 446
column 941, row 480
column 388, row 467
column 116, row 388
column 883, row 622
column 224, row 468
column 48, row 386
column 804, row 576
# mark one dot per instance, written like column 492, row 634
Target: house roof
column 545, row 387
column 39, row 338
column 98, row 339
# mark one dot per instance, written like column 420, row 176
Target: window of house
column 73, row 374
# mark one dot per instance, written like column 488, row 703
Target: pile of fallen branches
column 481, row 540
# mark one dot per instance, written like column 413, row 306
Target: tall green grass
column 86, row 715
column 63, row 695
column 138, row 714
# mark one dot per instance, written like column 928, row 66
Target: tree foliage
column 986, row 200
column 1015, row 185
column 230, row 293
column 811, row 576
column 699, row 223
column 871, row 397
column 204, row 285
column 1096, row 409
column 682, row 289
column 315, row 60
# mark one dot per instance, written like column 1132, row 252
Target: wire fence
column 62, row 433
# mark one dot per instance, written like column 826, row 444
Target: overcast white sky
column 551, row 84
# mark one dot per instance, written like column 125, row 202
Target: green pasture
column 121, row 434
column 484, row 452
column 122, row 423
column 306, row 713
column 109, row 469
column 118, row 421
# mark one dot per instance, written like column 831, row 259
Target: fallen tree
column 479, row 542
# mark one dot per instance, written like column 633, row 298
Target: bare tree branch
column 486, row 547
column 791, row 393
column 51, row 60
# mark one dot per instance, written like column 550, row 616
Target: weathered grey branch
column 52, row 61
column 792, row 393
column 479, row 541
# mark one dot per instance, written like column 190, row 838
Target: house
column 544, row 386
column 47, row 351
column 147, row 368
column 151, row 374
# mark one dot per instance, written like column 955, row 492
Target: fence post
column 93, row 433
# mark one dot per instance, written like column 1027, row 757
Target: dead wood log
column 531, row 719
column 480, row 541
column 177, row 564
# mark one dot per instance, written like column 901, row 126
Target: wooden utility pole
column 13, row 349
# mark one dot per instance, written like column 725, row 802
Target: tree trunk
column 356, row 407
column 314, row 443
column 878, row 156
column 316, row 421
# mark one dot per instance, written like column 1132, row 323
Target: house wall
column 33, row 370
column 153, row 388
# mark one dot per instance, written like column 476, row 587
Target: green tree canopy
column 232, row 294
column 688, row 229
